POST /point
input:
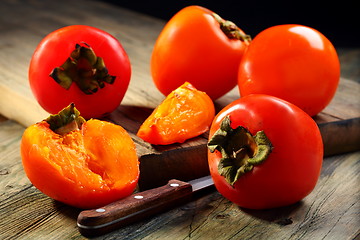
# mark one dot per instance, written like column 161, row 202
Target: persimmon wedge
column 185, row 113
column 85, row 164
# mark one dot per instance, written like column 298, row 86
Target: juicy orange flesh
column 99, row 156
column 185, row 113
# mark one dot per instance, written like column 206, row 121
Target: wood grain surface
column 25, row 23
column 331, row 211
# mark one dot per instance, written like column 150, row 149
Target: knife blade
column 139, row 206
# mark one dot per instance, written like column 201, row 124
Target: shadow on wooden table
column 66, row 210
column 281, row 215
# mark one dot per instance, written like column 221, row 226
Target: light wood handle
column 133, row 208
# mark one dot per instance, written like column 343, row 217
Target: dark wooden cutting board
column 339, row 125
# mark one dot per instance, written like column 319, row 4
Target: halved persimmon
column 85, row 164
column 185, row 113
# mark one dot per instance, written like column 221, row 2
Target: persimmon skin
column 53, row 51
column 192, row 47
column 292, row 62
column 86, row 168
column 185, row 113
column 291, row 170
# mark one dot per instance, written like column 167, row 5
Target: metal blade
column 201, row 183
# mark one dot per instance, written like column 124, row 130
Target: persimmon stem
column 240, row 151
column 231, row 30
column 84, row 68
column 66, row 120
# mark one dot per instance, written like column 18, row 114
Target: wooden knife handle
column 133, row 208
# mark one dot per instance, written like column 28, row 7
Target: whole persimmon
column 198, row 46
column 85, row 164
column 80, row 64
column 292, row 62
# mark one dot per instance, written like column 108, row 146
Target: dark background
column 338, row 20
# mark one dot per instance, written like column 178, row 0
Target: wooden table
column 331, row 211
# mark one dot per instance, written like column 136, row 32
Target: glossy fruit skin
column 292, row 62
column 87, row 168
column 192, row 47
column 53, row 51
column 185, row 113
column 293, row 167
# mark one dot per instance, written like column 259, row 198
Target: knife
column 138, row 206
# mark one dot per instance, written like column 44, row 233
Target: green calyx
column 66, row 120
column 84, row 68
column 231, row 30
column 239, row 149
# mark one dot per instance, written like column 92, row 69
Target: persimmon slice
column 85, row 166
column 185, row 113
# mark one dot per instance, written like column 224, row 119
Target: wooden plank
column 329, row 212
column 337, row 138
column 32, row 20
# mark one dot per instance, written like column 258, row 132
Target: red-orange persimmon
column 292, row 62
column 82, row 65
column 264, row 152
column 199, row 47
